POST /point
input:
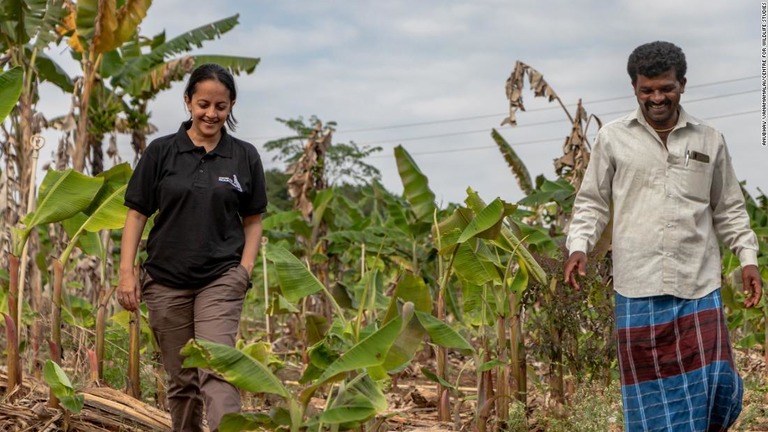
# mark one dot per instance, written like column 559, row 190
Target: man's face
column 659, row 98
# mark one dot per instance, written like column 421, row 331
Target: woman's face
column 210, row 105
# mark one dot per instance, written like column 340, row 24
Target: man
column 668, row 177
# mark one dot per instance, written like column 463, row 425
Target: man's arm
column 591, row 211
column 731, row 223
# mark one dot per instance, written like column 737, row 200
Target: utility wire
column 448, row 134
column 517, row 144
column 611, row 99
column 478, row 117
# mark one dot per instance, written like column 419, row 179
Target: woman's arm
column 252, row 229
column 127, row 286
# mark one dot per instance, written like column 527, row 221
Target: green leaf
column 106, row 211
column 508, row 241
column 236, row 367
column 295, row 280
column 22, row 21
column 61, row 387
column 415, row 185
column 90, row 243
column 236, row 422
column 62, row 195
column 236, row 65
column 356, row 402
column 487, row 223
column 515, row 163
column 489, row 365
column 520, row 281
column 371, row 351
column 559, row 191
column 441, row 333
column 471, row 264
column 50, row 71
column 348, row 413
column 11, row 82
column 139, row 66
column 434, row 378
column 449, row 229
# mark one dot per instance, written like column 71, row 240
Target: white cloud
column 372, row 64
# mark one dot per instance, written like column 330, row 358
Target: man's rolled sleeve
column 592, row 208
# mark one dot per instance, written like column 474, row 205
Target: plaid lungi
column 677, row 369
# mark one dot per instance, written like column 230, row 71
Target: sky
column 430, row 75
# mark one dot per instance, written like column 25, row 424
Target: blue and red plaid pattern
column 677, row 370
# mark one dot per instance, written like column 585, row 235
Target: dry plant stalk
column 576, row 148
column 307, row 172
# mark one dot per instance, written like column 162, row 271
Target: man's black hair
column 655, row 58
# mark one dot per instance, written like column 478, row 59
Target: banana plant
column 61, row 196
column 351, row 363
column 10, row 89
column 493, row 266
column 95, row 202
column 106, row 212
column 95, row 28
column 422, row 201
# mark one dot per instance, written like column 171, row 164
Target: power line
column 448, row 134
column 611, row 99
column 517, row 144
column 478, row 117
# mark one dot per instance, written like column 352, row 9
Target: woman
column 208, row 190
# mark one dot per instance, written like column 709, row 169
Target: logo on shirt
column 233, row 181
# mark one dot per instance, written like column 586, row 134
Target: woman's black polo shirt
column 200, row 199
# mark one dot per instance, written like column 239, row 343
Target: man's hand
column 753, row 285
column 576, row 262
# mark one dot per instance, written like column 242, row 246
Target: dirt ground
column 412, row 406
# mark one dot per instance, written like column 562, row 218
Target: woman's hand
column 128, row 290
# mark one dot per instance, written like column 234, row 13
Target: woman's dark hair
column 655, row 58
column 212, row 71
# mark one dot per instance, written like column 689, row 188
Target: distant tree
column 277, row 189
column 344, row 162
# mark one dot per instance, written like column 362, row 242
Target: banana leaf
column 508, row 241
column 50, row 71
column 236, row 367
column 488, row 222
column 141, row 65
column 296, row 281
column 26, row 20
column 441, row 333
column 515, row 163
column 236, row 65
column 415, row 185
column 11, row 82
column 106, row 211
column 62, row 195
column 371, row 351
column 472, row 264
column 448, row 230
column 89, row 242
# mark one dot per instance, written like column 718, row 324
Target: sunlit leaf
column 62, row 195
